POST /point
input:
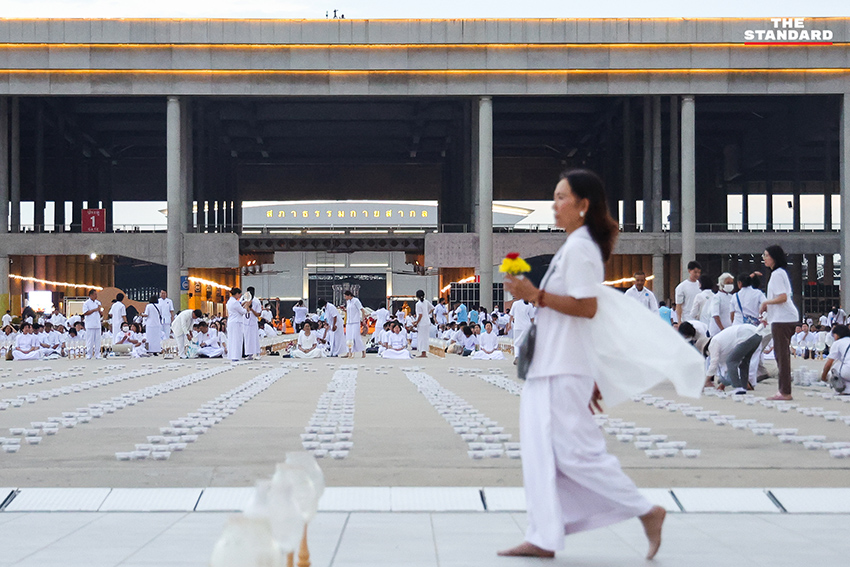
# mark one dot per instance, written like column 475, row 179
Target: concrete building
column 685, row 116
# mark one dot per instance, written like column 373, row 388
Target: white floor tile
column 505, row 499
column 151, row 500
column 356, row 499
column 224, row 499
column 660, row 497
column 813, row 500
column 436, row 499
column 724, row 500
column 58, row 500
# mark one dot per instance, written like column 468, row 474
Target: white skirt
column 153, row 337
column 571, row 482
column 315, row 353
column 396, row 354
column 353, row 339
column 481, row 355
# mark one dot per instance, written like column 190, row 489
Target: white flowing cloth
column 153, row 328
column 637, row 350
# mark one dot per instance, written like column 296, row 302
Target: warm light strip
column 469, row 279
column 626, row 280
column 822, row 70
column 359, row 46
column 48, row 282
column 376, row 265
column 208, row 283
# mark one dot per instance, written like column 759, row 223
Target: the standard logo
column 788, row 31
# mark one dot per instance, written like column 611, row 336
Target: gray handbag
column 835, row 380
column 526, row 352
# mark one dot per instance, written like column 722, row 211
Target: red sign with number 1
column 94, row 220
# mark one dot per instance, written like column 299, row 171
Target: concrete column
column 629, row 220
column 186, row 164
column 844, row 160
column 828, row 270
column 658, row 282
column 827, row 175
column 176, row 220
column 4, row 284
column 15, row 167
column 675, row 173
column 812, row 268
column 485, row 200
column 657, row 194
column 689, row 219
column 38, row 215
column 4, row 168
column 647, row 164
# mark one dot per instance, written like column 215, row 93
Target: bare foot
column 526, row 549
column 780, row 396
column 652, row 522
column 721, row 387
column 423, row 355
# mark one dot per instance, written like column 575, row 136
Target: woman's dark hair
column 154, row 299
column 778, row 254
column 841, row 331
column 745, row 280
column 467, row 331
column 705, row 282
column 420, row 295
column 119, row 297
column 235, row 291
column 488, row 323
column 307, row 325
column 587, row 185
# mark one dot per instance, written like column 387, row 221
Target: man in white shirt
column 300, row 315
column 441, row 312
column 166, row 313
column 354, row 315
column 73, row 320
column 7, row 319
column 641, row 294
column 337, row 330
column 805, row 340
column 49, row 341
column 57, row 318
column 688, row 290
column 208, row 343
column 266, row 313
column 92, row 315
column 117, row 316
column 733, row 346
column 182, row 326
column 26, row 345
column 381, row 316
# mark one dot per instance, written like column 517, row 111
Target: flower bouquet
column 514, row 265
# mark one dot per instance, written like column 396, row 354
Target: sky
column 373, row 9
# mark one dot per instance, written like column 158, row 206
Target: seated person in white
column 383, row 337
column 805, row 341
column 138, row 339
column 456, row 341
column 469, row 342
column 308, row 344
column 209, row 345
column 50, row 342
column 26, row 345
column 795, row 341
column 838, row 360
column 488, row 345
column 122, row 343
column 268, row 330
column 396, row 344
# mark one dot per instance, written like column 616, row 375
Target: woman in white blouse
column 153, row 326
column 396, row 344
column 488, row 344
column 307, row 345
column 571, row 483
column 782, row 316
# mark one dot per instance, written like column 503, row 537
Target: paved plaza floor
column 730, row 505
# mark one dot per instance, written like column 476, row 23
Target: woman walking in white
column 251, row 325
column 571, row 483
column 354, row 314
column 423, row 324
column 153, row 326
column 235, row 317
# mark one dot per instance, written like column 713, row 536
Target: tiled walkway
column 448, row 539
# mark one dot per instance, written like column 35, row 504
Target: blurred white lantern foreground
column 306, row 464
column 277, row 503
column 246, row 542
column 306, row 461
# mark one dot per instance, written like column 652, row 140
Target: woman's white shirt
column 563, row 341
column 305, row 342
column 423, row 311
column 489, row 342
column 396, row 341
column 783, row 312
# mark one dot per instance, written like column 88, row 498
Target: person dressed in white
column 50, row 342
column 92, row 315
column 235, row 316
column 209, row 345
column 732, row 347
column 441, row 312
column 823, row 321
column 422, row 322
column 571, row 483
column 805, row 340
column 26, row 345
column 721, row 304
column 336, row 329
column 57, row 318
column 381, row 316
column 522, row 315
column 839, row 358
column 300, row 313
column 641, row 294
column 166, row 310
column 117, row 316
column 153, row 326
column 782, row 316
column 251, row 325
column 687, row 291
column 181, row 327
column 354, row 315
column 488, row 345
column 396, row 344
column 266, row 313
column 7, row 319
column 746, row 302
column 307, row 345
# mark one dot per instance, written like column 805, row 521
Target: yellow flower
column 513, row 264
